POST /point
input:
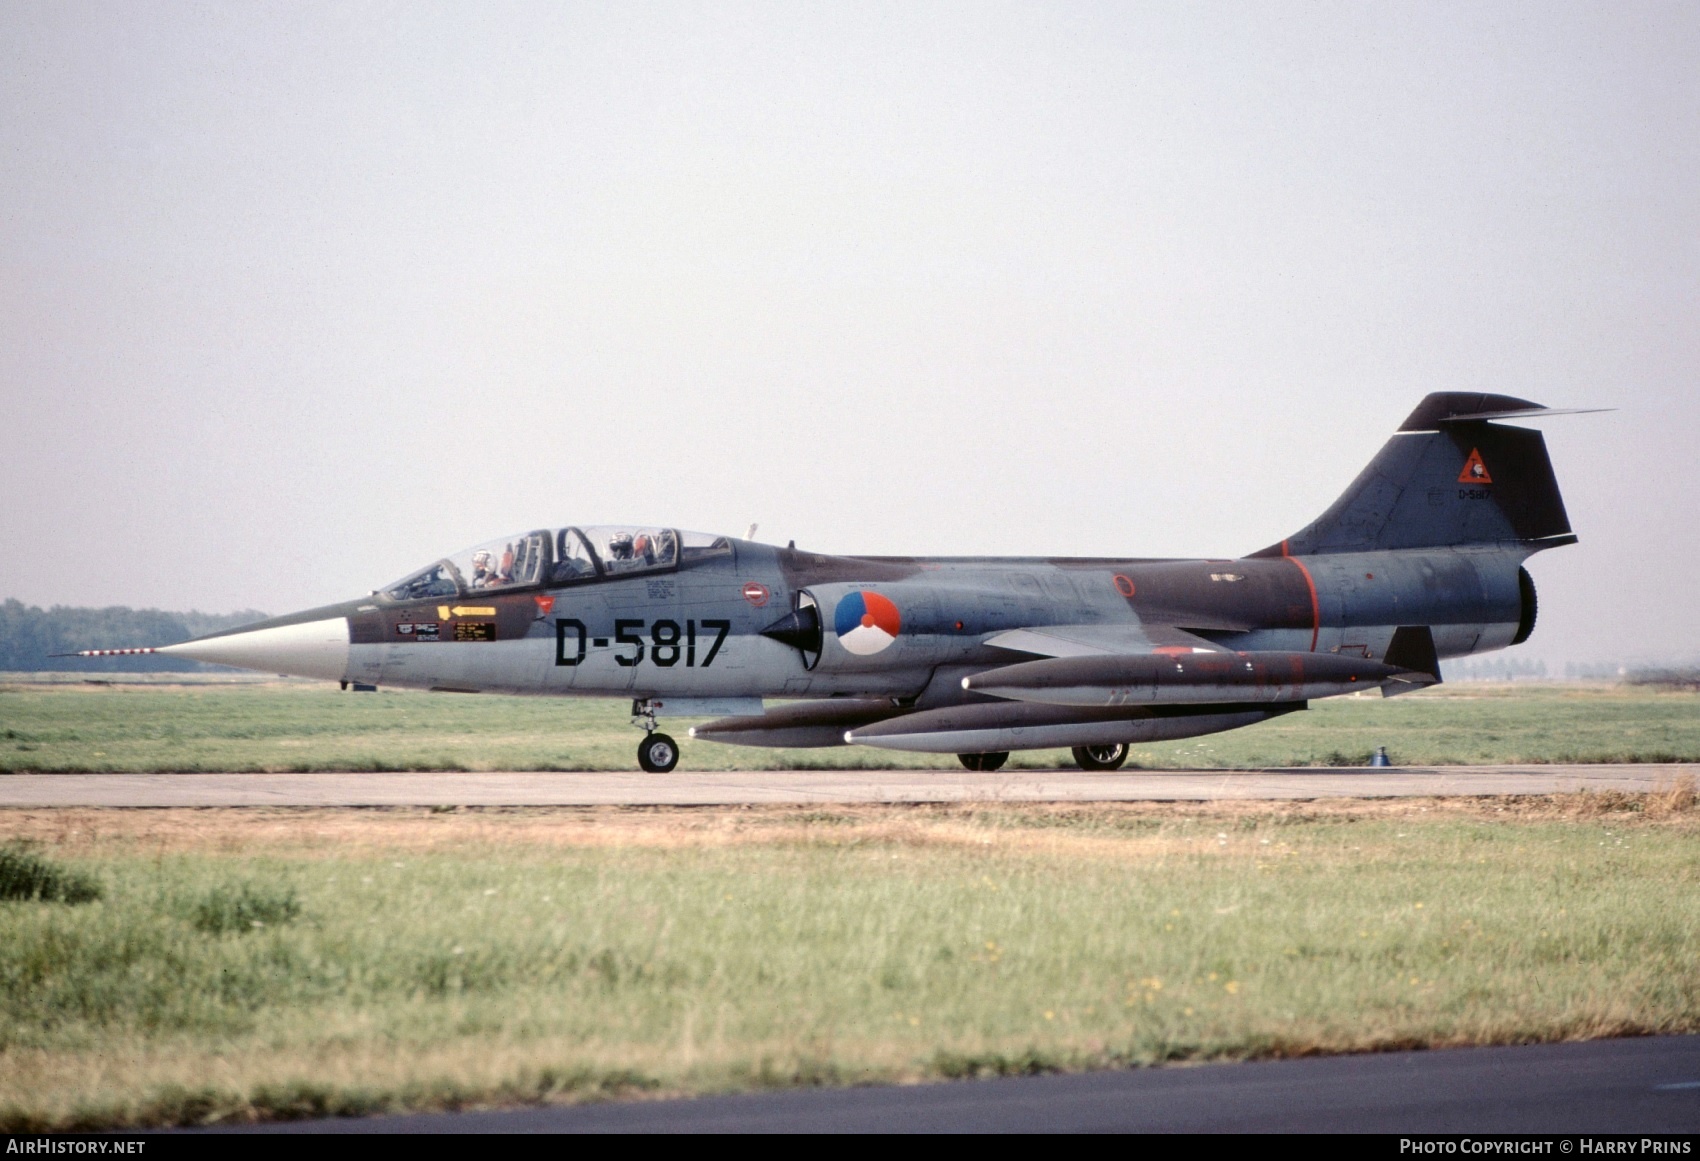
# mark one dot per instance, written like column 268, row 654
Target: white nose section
column 313, row 649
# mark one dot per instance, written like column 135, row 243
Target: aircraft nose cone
column 303, row 649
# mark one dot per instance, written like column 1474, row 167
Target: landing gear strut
column 986, row 762
column 1101, row 757
column 657, row 753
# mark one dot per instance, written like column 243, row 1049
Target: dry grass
column 337, row 832
column 1677, row 799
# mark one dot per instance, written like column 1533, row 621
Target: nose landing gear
column 657, row 753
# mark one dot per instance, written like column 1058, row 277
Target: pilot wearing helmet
column 483, row 570
column 620, row 546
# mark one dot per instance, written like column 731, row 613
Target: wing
column 1099, row 640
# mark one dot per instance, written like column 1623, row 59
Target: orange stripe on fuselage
column 1315, row 605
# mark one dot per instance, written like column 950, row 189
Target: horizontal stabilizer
column 1526, row 413
column 1477, row 407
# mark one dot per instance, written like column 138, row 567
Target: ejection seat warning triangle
column 1475, row 472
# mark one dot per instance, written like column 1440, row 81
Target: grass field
column 278, row 963
column 304, row 726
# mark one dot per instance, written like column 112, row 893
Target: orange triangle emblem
column 1475, row 472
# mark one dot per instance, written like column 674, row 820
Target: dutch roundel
column 866, row 623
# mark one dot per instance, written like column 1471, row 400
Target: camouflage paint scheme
column 1420, row 559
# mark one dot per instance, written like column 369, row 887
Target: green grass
column 243, row 908
column 420, row 960
column 291, row 726
column 26, row 875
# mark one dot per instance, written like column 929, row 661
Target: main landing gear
column 657, row 753
column 986, row 762
column 1101, row 757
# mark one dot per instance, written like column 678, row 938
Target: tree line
column 29, row 636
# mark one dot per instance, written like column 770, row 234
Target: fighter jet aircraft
column 1419, row 560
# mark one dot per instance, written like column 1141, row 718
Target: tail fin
column 1447, row 477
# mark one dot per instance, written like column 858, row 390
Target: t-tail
column 1449, row 477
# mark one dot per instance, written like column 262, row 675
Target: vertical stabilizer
column 1448, row 477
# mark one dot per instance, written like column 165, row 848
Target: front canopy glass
column 565, row 556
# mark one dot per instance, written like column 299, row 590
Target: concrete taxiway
column 718, row 788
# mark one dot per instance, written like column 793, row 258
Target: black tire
column 658, row 753
column 1101, row 757
column 983, row 761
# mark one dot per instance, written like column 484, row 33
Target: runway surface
column 1648, row 1086
column 685, row 788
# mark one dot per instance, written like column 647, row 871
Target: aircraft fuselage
column 1419, row 559
column 696, row 632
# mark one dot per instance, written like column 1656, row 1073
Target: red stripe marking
column 1315, row 605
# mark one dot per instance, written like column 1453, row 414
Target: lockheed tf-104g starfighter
column 1420, row 559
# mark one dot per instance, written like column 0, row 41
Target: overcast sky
column 295, row 297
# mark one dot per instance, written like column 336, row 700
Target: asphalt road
column 1648, row 1086
column 685, row 788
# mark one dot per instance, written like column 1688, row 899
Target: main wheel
column 658, row 753
column 1101, row 757
column 983, row 761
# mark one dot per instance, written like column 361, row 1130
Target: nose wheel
column 1100, row 757
column 658, row 753
column 987, row 762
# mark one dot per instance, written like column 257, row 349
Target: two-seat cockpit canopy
column 560, row 557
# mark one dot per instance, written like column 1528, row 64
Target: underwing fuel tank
column 1188, row 679
column 994, row 728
